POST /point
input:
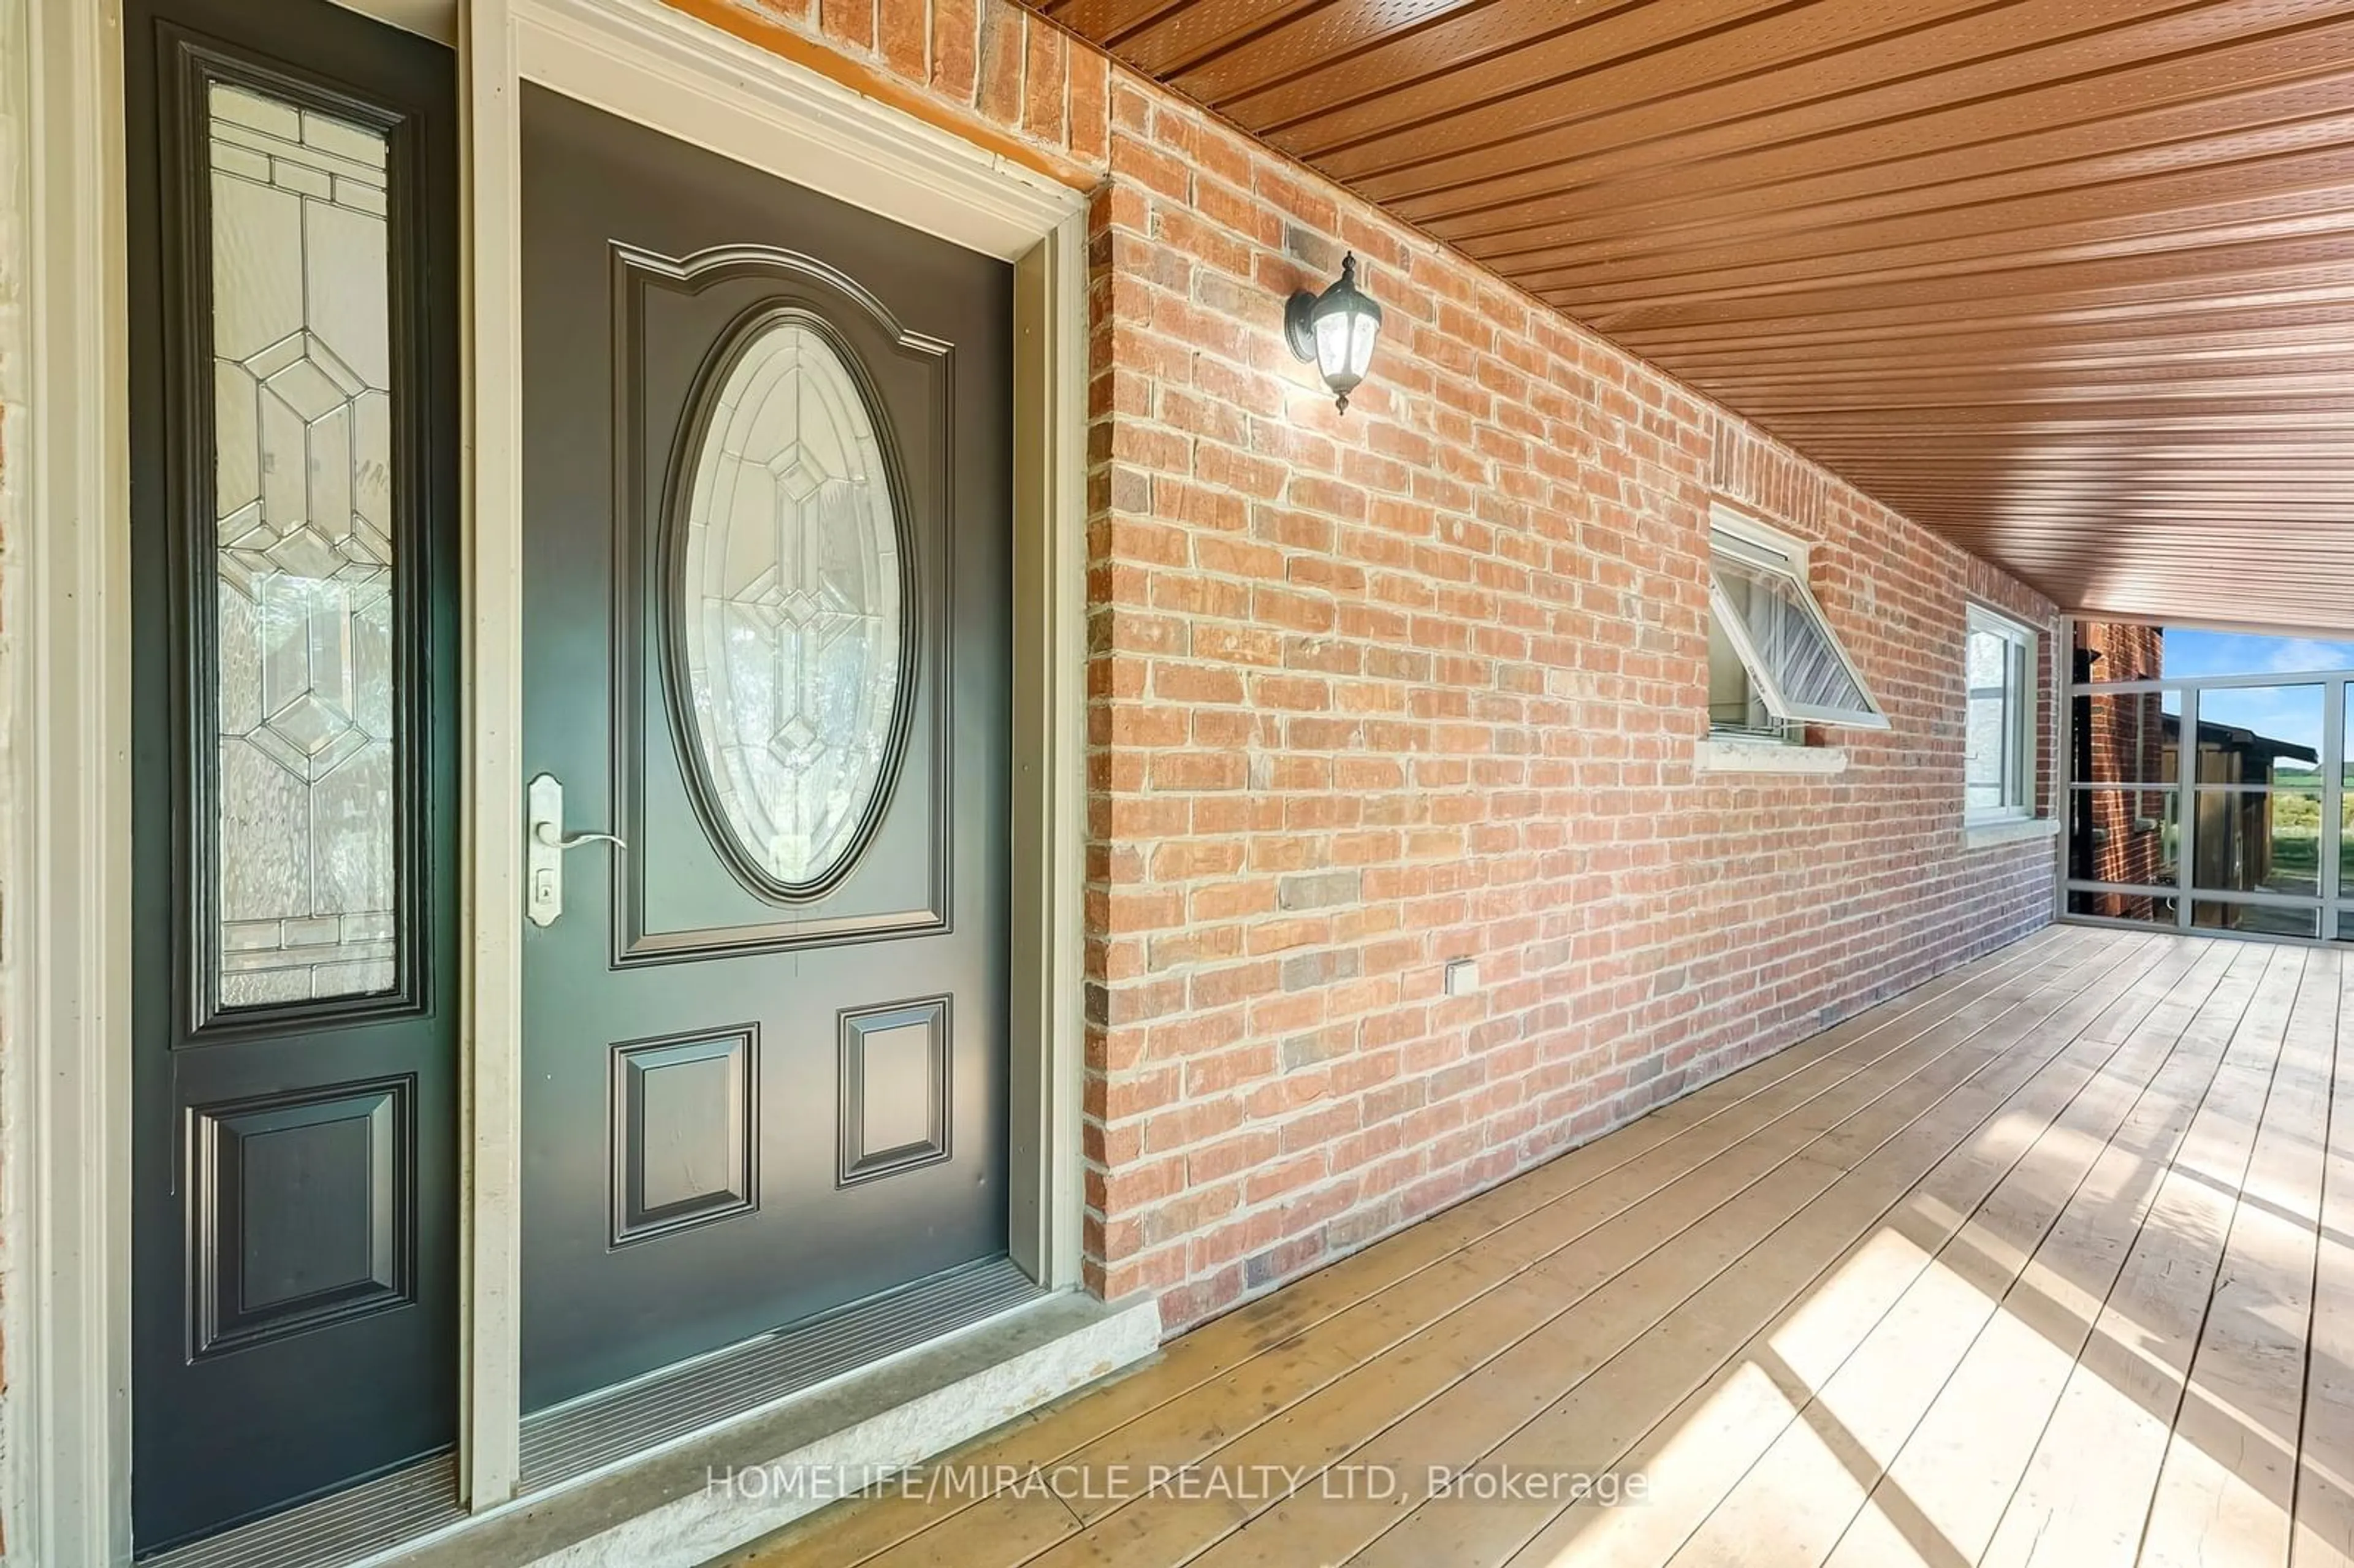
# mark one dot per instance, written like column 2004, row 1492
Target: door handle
column 548, row 836
column 544, row 852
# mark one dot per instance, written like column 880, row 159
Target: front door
column 767, row 507
column 291, row 223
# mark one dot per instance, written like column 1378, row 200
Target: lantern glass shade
column 1337, row 329
column 1345, row 345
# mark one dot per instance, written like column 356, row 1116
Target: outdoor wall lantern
column 1336, row 330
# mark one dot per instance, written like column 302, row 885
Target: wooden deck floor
column 2051, row 1261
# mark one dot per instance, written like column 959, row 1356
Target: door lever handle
column 549, row 836
column 543, row 849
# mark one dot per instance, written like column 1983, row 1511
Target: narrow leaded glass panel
column 301, row 375
column 788, row 604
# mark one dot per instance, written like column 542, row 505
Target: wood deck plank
column 1442, row 1261
column 2227, row 1485
column 1454, row 1432
column 2050, row 1261
column 1692, row 1408
column 1202, row 1369
column 1943, row 1494
column 1645, row 1375
column 2323, row 1523
column 1327, row 1397
column 2086, row 1492
column 1691, row 1453
column 1603, row 1316
column 1471, row 1418
column 1857, row 1404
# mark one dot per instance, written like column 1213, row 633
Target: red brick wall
column 986, row 69
column 1425, row 682
column 2120, row 837
column 2125, row 652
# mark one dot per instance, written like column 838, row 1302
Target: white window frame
column 1768, row 549
column 2021, row 722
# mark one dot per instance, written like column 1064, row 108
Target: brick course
column 1425, row 682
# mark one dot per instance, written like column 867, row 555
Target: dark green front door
column 767, row 477
column 293, row 460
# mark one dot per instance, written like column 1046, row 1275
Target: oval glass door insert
column 789, row 608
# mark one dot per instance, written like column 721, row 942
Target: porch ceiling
column 2070, row 281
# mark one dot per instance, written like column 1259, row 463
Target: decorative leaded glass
column 301, row 375
column 788, row 604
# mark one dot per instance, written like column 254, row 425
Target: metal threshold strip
column 341, row 1528
column 612, row 1427
column 563, row 1445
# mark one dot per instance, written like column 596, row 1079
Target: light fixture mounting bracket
column 1298, row 329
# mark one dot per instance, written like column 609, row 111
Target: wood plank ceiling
column 2070, row 281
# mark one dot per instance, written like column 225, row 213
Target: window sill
column 2009, row 831
column 1766, row 756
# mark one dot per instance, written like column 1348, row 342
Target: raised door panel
column 683, row 1150
column 301, row 1213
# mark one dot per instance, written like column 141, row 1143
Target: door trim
column 65, row 1223
column 65, row 1229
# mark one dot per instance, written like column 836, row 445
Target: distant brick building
column 2121, row 835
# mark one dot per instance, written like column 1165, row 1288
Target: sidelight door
column 293, row 327
column 766, row 491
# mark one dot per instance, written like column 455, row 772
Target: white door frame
column 65, row 1154
column 65, row 1211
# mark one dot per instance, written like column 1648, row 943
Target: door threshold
column 589, row 1435
column 675, row 1508
column 681, row 1500
column 351, row 1525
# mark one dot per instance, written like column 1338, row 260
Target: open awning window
column 1794, row 659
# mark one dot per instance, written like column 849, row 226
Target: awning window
column 1800, row 672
